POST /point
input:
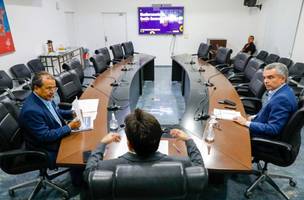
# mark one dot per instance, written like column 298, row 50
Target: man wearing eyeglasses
column 42, row 121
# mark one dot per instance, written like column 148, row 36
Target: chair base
column 263, row 176
column 39, row 182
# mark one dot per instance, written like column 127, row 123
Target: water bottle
column 113, row 123
column 210, row 131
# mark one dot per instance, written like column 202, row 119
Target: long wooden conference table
column 229, row 152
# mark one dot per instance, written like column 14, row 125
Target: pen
column 228, row 107
column 176, row 148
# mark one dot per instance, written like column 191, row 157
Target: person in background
column 278, row 108
column 250, row 46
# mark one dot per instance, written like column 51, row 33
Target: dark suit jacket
column 249, row 47
column 95, row 161
column 273, row 116
column 41, row 130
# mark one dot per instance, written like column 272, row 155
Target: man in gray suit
column 143, row 136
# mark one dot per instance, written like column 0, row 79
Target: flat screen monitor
column 160, row 20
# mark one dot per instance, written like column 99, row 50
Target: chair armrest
column 194, row 54
column 91, row 77
column 255, row 99
column 19, row 152
column 65, row 106
column 270, row 143
column 225, row 69
column 296, row 83
column 220, row 66
column 136, row 52
column 237, row 78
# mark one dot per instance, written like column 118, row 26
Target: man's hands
column 75, row 124
column 241, row 120
column 179, row 134
column 110, row 137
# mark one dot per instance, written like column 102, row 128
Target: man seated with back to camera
column 143, row 133
column 249, row 47
column 42, row 121
column 279, row 107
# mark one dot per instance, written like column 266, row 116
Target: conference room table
column 229, row 152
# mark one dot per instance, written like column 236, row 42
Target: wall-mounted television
column 160, row 20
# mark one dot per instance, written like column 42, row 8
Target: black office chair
column 271, row 58
column 75, row 67
column 222, row 57
column 99, row 63
column 105, row 53
column 281, row 152
column 15, row 159
column 251, row 93
column 117, row 53
column 163, row 180
column 6, row 88
column 286, row 61
column 240, row 62
column 69, row 86
column 35, row 65
column 203, row 51
column 252, row 66
column 128, row 49
column 296, row 74
column 22, row 74
column 262, row 55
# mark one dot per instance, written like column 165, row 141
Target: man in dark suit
column 249, row 47
column 44, row 124
column 278, row 108
column 143, row 133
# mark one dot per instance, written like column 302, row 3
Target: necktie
column 53, row 112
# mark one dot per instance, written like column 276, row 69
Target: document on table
column 163, row 146
column 86, row 111
column 225, row 114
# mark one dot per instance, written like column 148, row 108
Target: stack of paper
column 86, row 111
column 225, row 114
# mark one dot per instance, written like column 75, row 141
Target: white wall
column 32, row 23
column 203, row 19
column 298, row 51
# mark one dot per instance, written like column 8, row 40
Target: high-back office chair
column 203, row 51
column 69, row 86
column 281, row 152
column 99, row 63
column 128, row 48
column 286, row 61
column 163, row 180
column 262, row 55
column 105, row 53
column 271, row 58
column 117, row 53
column 15, row 159
column 239, row 63
column 75, row 67
column 222, row 57
column 296, row 73
column 251, row 93
column 35, row 65
column 251, row 68
column 6, row 85
column 21, row 72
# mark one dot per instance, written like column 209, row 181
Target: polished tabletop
column 230, row 150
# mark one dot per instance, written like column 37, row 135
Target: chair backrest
column 240, row 61
column 74, row 66
column 99, row 63
column 10, row 133
column 262, row 55
column 5, row 80
column 223, row 55
column 117, row 52
column 35, row 65
column 292, row 136
column 164, row 180
column 105, row 53
column 128, row 48
column 297, row 69
column 203, row 51
column 256, row 84
column 286, row 61
column 20, row 71
column 69, row 86
column 252, row 67
column 271, row 58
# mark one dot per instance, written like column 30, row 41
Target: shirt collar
column 46, row 102
column 272, row 92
